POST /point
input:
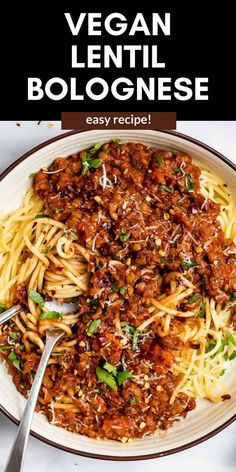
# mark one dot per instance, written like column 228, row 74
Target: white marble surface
column 215, row 455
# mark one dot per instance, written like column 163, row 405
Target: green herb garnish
column 32, row 175
column 13, row 335
column 47, row 249
column 194, row 298
column 58, row 210
column 123, row 289
column 5, row 348
column 56, row 354
column 122, row 376
column 174, row 152
column 93, row 302
column 176, row 170
column 89, row 163
column 233, row 296
column 2, row 307
column 187, row 264
column 160, row 160
column 15, row 360
column 124, row 235
column 94, row 149
column 210, row 346
column 117, row 141
column 99, row 266
column 202, row 310
column 40, row 215
column 132, row 330
column 110, row 368
column 232, row 356
column 133, row 400
column 115, row 287
column 92, row 327
column 109, row 375
column 189, row 182
column 135, row 340
column 36, row 298
column 225, row 342
column 129, row 329
column 50, row 315
column 167, row 188
column 222, row 372
column 105, row 377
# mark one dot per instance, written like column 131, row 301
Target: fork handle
column 6, row 315
column 17, row 454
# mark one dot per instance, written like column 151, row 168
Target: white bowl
column 207, row 419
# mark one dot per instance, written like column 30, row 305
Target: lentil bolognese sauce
column 142, row 241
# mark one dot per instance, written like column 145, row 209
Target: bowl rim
column 105, row 456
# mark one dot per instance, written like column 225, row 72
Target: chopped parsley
column 194, row 298
column 202, row 310
column 13, row 335
column 36, row 298
column 92, row 327
column 2, row 307
column 210, row 346
column 32, row 175
column 189, row 182
column 160, row 160
column 5, row 348
column 40, row 215
column 222, row 372
column 167, row 188
column 174, row 152
column 124, row 235
column 110, row 368
column 135, row 340
column 187, row 264
column 122, row 376
column 105, row 377
column 181, row 200
column 133, row 400
column 88, row 162
column 225, row 342
column 117, row 141
column 132, row 330
column 233, row 296
column 94, row 149
column 50, row 315
column 93, row 302
column 176, row 170
column 123, row 289
column 110, row 376
column 15, row 360
column 115, row 287
column 47, row 249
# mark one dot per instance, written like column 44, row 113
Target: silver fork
column 6, row 315
column 17, row 454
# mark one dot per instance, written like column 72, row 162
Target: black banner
column 186, row 68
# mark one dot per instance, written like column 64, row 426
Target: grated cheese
column 104, row 181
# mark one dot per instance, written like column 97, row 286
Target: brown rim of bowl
column 103, row 456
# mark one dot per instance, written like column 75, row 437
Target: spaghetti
column 139, row 240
